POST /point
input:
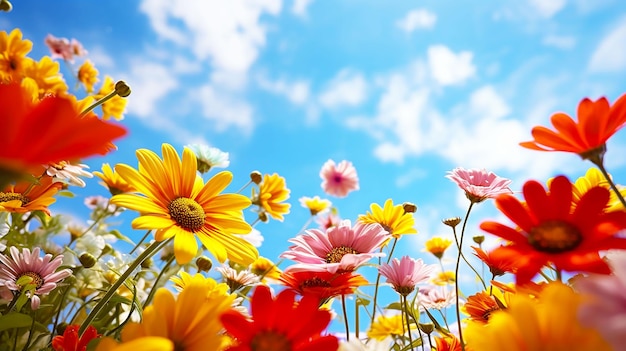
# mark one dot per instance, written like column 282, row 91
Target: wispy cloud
column 299, row 7
column 610, row 54
column 417, row 19
column 224, row 110
column 448, row 68
column 564, row 42
column 297, row 91
column 547, row 8
column 150, row 82
column 347, row 88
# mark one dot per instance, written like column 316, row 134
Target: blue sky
column 405, row 90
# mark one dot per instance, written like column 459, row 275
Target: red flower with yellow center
column 323, row 285
column 548, row 231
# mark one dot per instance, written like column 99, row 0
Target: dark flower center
column 37, row 280
column 4, row 197
column 554, row 236
column 270, row 341
column 335, row 255
column 187, row 213
column 315, row 282
column 488, row 313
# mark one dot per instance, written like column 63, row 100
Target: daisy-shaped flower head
column 498, row 265
column 328, row 219
column 273, row 192
column 324, row 285
column 339, row 179
column 392, row 217
column 13, row 51
column 41, row 270
column 387, row 326
column 280, row 324
column 265, row 269
column 88, row 75
column 60, row 48
column 597, row 122
column 592, row 178
column 209, row 157
column 448, row 343
column 72, row 341
column 405, row 273
column 315, row 204
column 338, row 249
column 63, row 171
column 437, row 297
column 437, row 246
column 480, row 306
column 25, row 197
column 546, row 230
column 112, row 181
column 175, row 201
column 237, row 279
column 479, row 184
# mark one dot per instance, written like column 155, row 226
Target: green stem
column 456, row 275
column 345, row 316
column 393, row 246
column 143, row 238
column 98, row 103
column 600, row 165
column 356, row 317
column 149, row 252
column 30, row 332
column 408, row 322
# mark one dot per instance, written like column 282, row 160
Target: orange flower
column 26, row 197
column 480, row 306
column 448, row 343
column 272, row 192
column 547, row 231
column 597, row 122
column 322, row 285
column 47, row 132
column 497, row 265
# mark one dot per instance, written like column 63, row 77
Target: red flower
column 70, row 341
column 597, row 122
column 549, row 231
column 280, row 324
column 322, row 285
column 497, row 265
column 49, row 131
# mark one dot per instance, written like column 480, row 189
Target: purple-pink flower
column 479, row 184
column 405, row 273
column 605, row 310
column 42, row 270
column 342, row 248
column 64, row 48
column 339, row 179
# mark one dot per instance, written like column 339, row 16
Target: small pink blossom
column 41, row 269
column 328, row 220
column 479, row 184
column 338, row 249
column 64, row 48
column 437, row 297
column 339, row 179
column 606, row 308
column 405, row 273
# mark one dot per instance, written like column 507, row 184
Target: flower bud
column 478, row 239
column 5, row 5
column 204, row 264
column 427, row 327
column 256, row 177
column 122, row 89
column 263, row 217
column 147, row 263
column 87, row 260
column 452, row 222
column 409, row 207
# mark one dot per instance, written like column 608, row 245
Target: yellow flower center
column 60, row 166
column 270, row 341
column 187, row 213
column 315, row 282
column 335, row 255
column 4, row 197
column 37, row 280
column 554, row 236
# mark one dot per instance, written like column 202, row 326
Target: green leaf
column 15, row 320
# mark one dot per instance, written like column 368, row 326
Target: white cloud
column 547, row 8
column 448, row 68
column 299, row 7
column 224, row 109
column 347, row 88
column 486, row 103
column 610, row 55
column 149, row 82
column 389, row 152
column 417, row 19
column 100, row 58
column 297, row 92
column 564, row 42
column 227, row 32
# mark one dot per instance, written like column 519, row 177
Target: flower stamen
column 270, row 341
column 37, row 280
column 337, row 253
column 554, row 236
column 187, row 213
column 4, row 197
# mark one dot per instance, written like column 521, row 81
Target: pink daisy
column 60, row 47
column 338, row 249
column 405, row 273
column 436, row 297
column 41, row 270
column 479, row 184
column 339, row 179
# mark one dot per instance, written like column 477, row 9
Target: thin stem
column 393, row 247
column 30, row 332
column 345, row 316
column 408, row 323
column 243, row 187
column 356, row 317
column 465, row 259
column 56, row 319
column 430, row 342
column 558, row 275
column 143, row 238
column 456, row 275
column 600, row 165
column 306, row 224
column 98, row 103
column 149, row 252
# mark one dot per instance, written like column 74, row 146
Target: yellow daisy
column 115, row 106
column 315, row 204
column 444, row 278
column 393, row 218
column 592, row 178
column 175, row 201
column 47, row 76
column 113, row 181
column 387, row 326
column 88, row 75
column 546, row 323
column 265, row 269
column 13, row 51
column 437, row 246
column 191, row 321
column 272, row 192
